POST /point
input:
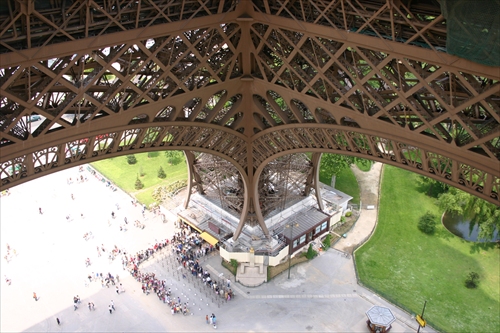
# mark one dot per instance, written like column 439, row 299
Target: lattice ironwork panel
column 221, row 181
column 455, row 107
column 385, row 150
column 59, row 93
column 283, row 182
column 249, row 89
column 29, row 24
column 414, row 23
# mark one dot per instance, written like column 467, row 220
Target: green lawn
column 124, row 175
column 407, row 267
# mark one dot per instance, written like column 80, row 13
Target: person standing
column 112, row 305
column 40, row 210
column 228, row 283
column 58, row 321
column 206, row 318
column 35, row 297
column 110, row 309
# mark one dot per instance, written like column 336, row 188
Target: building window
column 318, row 229
column 302, row 239
column 295, row 243
column 324, row 225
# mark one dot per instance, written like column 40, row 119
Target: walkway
column 369, row 184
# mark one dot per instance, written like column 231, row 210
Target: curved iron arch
column 266, row 145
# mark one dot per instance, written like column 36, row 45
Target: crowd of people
column 187, row 247
column 150, row 283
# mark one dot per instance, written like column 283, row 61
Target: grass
column 408, row 267
column 124, row 175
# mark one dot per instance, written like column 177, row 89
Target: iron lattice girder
column 29, row 25
column 193, row 89
column 220, row 181
column 335, row 139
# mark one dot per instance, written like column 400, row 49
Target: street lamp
column 290, row 225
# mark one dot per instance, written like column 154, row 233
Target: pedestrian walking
column 110, row 309
column 113, row 305
column 93, row 306
column 117, row 290
column 90, row 307
column 58, row 321
column 228, row 283
column 206, row 318
column 40, row 211
column 35, row 297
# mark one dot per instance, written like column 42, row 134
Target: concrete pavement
column 321, row 296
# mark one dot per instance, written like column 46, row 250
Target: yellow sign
column 421, row 321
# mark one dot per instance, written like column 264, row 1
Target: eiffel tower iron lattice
column 246, row 81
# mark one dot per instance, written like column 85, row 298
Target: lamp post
column 290, row 225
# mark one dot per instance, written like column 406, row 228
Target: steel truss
column 246, row 81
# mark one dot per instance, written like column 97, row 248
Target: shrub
column 161, row 173
column 138, row 184
column 348, row 214
column 427, row 223
column 472, row 280
column 153, row 154
column 327, row 242
column 131, row 159
column 310, row 252
column 234, row 263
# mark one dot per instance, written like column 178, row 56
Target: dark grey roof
column 306, row 219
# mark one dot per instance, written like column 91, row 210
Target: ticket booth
column 379, row 319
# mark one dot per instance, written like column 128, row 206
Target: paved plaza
column 321, row 296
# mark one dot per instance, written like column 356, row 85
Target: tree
column 141, row 171
column 485, row 214
column 131, row 159
column 327, row 242
column 138, row 184
column 427, row 223
column 161, row 173
column 310, row 252
column 438, row 186
column 153, row 154
column 472, row 280
column 332, row 164
column 174, row 157
column 453, row 201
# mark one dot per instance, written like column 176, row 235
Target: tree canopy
column 332, row 164
column 482, row 212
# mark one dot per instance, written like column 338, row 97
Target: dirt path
column 369, row 183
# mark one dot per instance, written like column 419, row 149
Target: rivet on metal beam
column 245, row 18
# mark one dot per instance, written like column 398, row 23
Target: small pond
column 463, row 227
